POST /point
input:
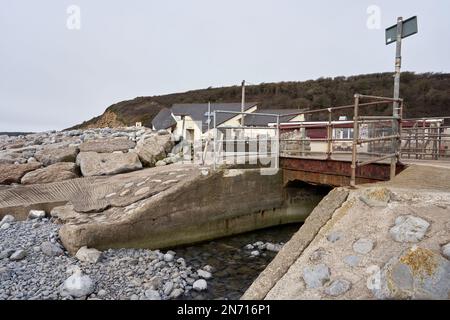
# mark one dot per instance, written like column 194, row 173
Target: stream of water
column 234, row 268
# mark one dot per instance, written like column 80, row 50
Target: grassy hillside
column 425, row 94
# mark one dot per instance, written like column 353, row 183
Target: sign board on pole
column 409, row 28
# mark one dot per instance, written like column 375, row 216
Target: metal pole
column 329, row 134
column 395, row 111
column 215, row 141
column 243, row 103
column 398, row 64
column 355, row 142
column 277, row 156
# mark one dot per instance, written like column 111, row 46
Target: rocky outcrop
column 56, row 172
column 100, row 164
column 154, row 148
column 108, row 145
column 12, row 173
column 56, row 153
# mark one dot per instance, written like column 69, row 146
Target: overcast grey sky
column 52, row 77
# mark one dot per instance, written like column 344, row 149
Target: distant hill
column 14, row 134
column 426, row 94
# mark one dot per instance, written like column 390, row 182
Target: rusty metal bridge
column 364, row 142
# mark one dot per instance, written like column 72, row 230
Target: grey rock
column 167, row 288
column 7, row 219
column 409, row 228
column 352, row 261
column 204, row 274
column 5, row 226
column 200, row 285
column 36, row 214
column 18, row 255
column 254, row 253
column 338, row 287
column 363, row 245
column 50, row 249
column 77, row 285
column 6, row 253
column 316, row 276
column 152, row 294
column 273, row 247
column 90, row 255
column 176, row 293
column 168, row 257
column 249, row 247
column 334, row 236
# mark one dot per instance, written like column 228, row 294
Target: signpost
column 396, row 33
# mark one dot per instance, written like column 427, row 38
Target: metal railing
column 426, row 139
column 363, row 140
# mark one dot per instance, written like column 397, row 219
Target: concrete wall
column 221, row 204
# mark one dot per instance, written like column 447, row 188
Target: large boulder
column 154, row 148
column 56, row 153
column 99, row 164
column 107, row 145
column 12, row 173
column 56, row 172
column 417, row 273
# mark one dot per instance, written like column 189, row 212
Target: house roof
column 199, row 111
column 263, row 121
column 163, row 120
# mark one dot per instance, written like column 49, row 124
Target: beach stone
column 273, row 247
column 168, row 257
column 409, row 228
column 338, row 287
column 5, row 226
column 204, row 274
column 36, row 214
column 6, row 253
column 152, row 295
column 254, row 253
column 90, row 255
column 18, row 255
column 352, row 260
column 7, row 219
column 363, row 246
column 176, row 293
column 50, row 249
column 200, row 285
column 334, row 236
column 316, row 276
column 77, row 285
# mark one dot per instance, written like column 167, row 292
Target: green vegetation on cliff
column 426, row 94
